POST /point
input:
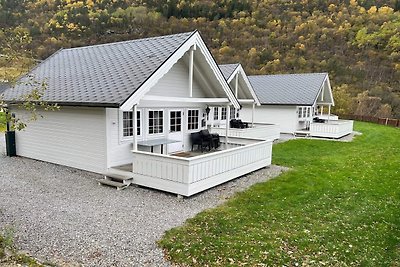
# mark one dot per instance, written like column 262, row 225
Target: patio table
column 157, row 142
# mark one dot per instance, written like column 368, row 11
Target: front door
column 175, row 131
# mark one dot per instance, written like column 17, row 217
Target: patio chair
column 234, row 123
column 201, row 142
column 243, row 124
column 213, row 137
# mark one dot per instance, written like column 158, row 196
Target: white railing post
column 227, row 126
column 252, row 115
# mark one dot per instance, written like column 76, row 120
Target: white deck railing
column 259, row 130
column 332, row 129
column 188, row 176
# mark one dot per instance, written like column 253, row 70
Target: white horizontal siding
column 118, row 151
column 176, row 83
column 74, row 137
column 284, row 116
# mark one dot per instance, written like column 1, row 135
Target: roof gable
column 288, row 89
column 229, row 71
column 100, row 75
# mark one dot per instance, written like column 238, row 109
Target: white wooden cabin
column 294, row 102
column 243, row 91
column 128, row 108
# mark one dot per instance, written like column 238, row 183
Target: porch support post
column 134, row 134
column 227, row 126
column 329, row 112
column 134, row 118
column 191, row 54
column 252, row 115
column 236, row 84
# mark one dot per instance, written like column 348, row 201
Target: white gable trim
column 239, row 69
column 195, row 39
column 326, row 80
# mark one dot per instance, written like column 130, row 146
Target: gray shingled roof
column 3, row 87
column 288, row 89
column 100, row 75
column 227, row 69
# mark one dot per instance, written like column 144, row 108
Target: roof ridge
column 129, row 41
column 287, row 74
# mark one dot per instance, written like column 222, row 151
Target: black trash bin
column 10, row 144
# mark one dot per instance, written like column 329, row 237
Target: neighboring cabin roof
column 3, row 86
column 227, row 69
column 288, row 89
column 100, row 75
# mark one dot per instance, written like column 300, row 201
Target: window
column 215, row 113
column 233, row 113
column 300, row 112
column 308, row 112
column 175, row 121
column 127, row 123
column 223, row 113
column 156, row 121
column 193, row 119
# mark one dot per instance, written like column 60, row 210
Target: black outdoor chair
column 243, row 124
column 201, row 142
column 316, row 119
column 214, row 138
column 234, row 123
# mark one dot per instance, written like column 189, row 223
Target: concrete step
column 120, row 172
column 125, row 178
column 119, row 186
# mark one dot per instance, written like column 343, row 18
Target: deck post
column 191, row 55
column 134, row 134
column 252, row 115
column 227, row 126
column 329, row 112
column 236, row 84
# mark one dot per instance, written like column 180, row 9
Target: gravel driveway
column 61, row 215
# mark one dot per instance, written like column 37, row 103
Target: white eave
column 194, row 40
column 239, row 69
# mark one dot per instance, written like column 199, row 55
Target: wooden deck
column 259, row 130
column 192, row 173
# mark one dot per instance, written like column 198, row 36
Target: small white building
column 244, row 92
column 298, row 103
column 128, row 110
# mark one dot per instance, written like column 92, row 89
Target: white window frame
column 169, row 122
column 232, row 113
column 224, row 113
column 198, row 120
column 216, row 110
column 121, row 123
column 148, row 122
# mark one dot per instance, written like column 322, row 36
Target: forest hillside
column 357, row 42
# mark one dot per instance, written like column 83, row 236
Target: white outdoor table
column 157, row 142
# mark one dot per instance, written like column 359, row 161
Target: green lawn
column 2, row 122
column 338, row 206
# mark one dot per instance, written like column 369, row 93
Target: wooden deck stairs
column 116, row 178
column 302, row 133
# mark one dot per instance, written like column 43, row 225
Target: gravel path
column 61, row 215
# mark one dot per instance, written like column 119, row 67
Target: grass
column 9, row 256
column 2, row 122
column 338, row 206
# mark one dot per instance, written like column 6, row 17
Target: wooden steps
column 301, row 133
column 116, row 178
